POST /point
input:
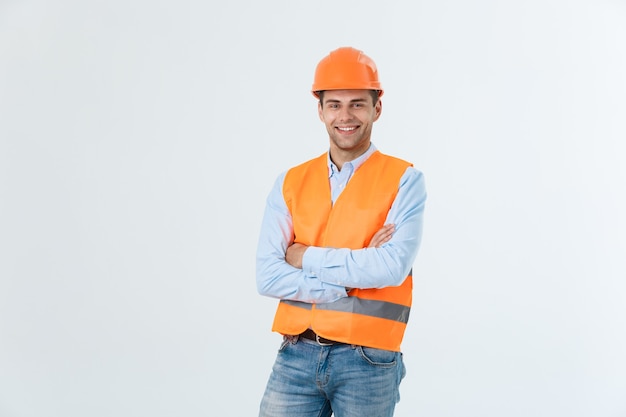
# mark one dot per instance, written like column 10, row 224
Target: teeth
column 346, row 129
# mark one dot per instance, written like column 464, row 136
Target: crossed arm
column 314, row 274
column 295, row 252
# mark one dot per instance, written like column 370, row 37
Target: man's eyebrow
column 354, row 100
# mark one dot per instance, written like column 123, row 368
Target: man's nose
column 345, row 113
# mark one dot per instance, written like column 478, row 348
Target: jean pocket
column 378, row 357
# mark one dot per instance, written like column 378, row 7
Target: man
column 338, row 239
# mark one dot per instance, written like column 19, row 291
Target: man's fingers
column 382, row 235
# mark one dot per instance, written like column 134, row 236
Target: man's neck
column 340, row 157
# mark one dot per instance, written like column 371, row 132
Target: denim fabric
column 309, row 380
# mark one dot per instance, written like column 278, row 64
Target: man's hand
column 382, row 236
column 294, row 254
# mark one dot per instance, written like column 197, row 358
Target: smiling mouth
column 346, row 129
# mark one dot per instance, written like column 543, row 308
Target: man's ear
column 378, row 108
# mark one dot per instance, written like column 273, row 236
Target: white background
column 139, row 139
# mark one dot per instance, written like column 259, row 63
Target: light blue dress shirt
column 327, row 272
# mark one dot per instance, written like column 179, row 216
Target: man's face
column 349, row 116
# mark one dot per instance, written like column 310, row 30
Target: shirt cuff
column 312, row 259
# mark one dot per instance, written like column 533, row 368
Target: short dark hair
column 374, row 93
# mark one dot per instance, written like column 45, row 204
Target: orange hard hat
column 346, row 68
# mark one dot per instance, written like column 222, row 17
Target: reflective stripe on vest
column 374, row 308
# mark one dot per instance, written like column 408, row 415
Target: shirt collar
column 356, row 163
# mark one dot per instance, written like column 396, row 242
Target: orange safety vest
column 367, row 317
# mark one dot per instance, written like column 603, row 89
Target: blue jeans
column 309, row 380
